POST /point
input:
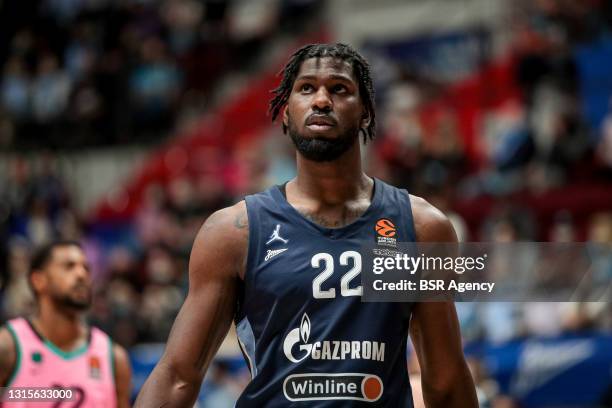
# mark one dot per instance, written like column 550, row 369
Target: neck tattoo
column 329, row 221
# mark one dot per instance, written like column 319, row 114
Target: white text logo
column 328, row 349
column 272, row 253
column 333, row 386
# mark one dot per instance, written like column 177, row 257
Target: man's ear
column 38, row 280
column 365, row 119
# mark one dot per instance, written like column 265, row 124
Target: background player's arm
column 123, row 376
column 8, row 356
column 434, row 328
column 217, row 260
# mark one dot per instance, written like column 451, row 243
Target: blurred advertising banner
column 449, row 57
column 594, row 61
column 565, row 371
column 486, row 272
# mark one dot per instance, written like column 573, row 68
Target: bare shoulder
column 8, row 355
column 123, row 376
column 120, row 354
column 230, row 222
column 430, row 223
column 122, row 364
column 223, row 240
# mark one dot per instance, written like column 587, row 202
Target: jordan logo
column 275, row 236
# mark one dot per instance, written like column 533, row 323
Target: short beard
column 321, row 149
column 77, row 305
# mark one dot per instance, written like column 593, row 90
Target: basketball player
column 285, row 265
column 55, row 348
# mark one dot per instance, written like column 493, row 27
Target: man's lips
column 78, row 288
column 320, row 121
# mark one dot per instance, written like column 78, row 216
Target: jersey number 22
column 325, row 260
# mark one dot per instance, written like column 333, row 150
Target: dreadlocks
column 345, row 52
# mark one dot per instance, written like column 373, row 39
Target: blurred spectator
column 503, row 321
column 19, row 299
column 604, row 147
column 504, row 401
column 182, row 18
column 223, row 389
column 486, row 388
column 160, row 304
column 81, row 52
column 16, row 89
column 154, row 86
column 149, row 218
column 50, row 90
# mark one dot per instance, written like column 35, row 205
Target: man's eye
column 339, row 88
column 306, row 88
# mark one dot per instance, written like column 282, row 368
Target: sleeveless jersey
column 88, row 371
column 307, row 337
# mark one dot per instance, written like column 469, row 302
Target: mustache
column 321, row 118
column 81, row 286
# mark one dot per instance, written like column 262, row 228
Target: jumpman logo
column 275, row 236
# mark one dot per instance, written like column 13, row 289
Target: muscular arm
column 217, row 259
column 434, row 328
column 8, row 356
column 123, row 376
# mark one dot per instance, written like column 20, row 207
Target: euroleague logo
column 385, row 228
column 386, row 232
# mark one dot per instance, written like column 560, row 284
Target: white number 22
column 328, row 270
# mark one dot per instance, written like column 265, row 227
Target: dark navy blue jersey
column 305, row 333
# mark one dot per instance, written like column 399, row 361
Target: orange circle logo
column 371, row 388
column 385, row 228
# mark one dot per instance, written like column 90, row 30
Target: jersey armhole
column 408, row 209
column 252, row 242
column 17, row 355
column 111, row 356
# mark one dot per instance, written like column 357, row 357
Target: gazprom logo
column 298, row 335
column 297, row 347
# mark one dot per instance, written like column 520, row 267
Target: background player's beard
column 321, row 149
column 71, row 302
column 76, row 304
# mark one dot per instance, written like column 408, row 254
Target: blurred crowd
column 114, row 72
column 534, row 142
column 102, row 72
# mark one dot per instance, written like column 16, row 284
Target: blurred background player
column 55, row 347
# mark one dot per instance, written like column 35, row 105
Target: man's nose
column 82, row 273
column 322, row 101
